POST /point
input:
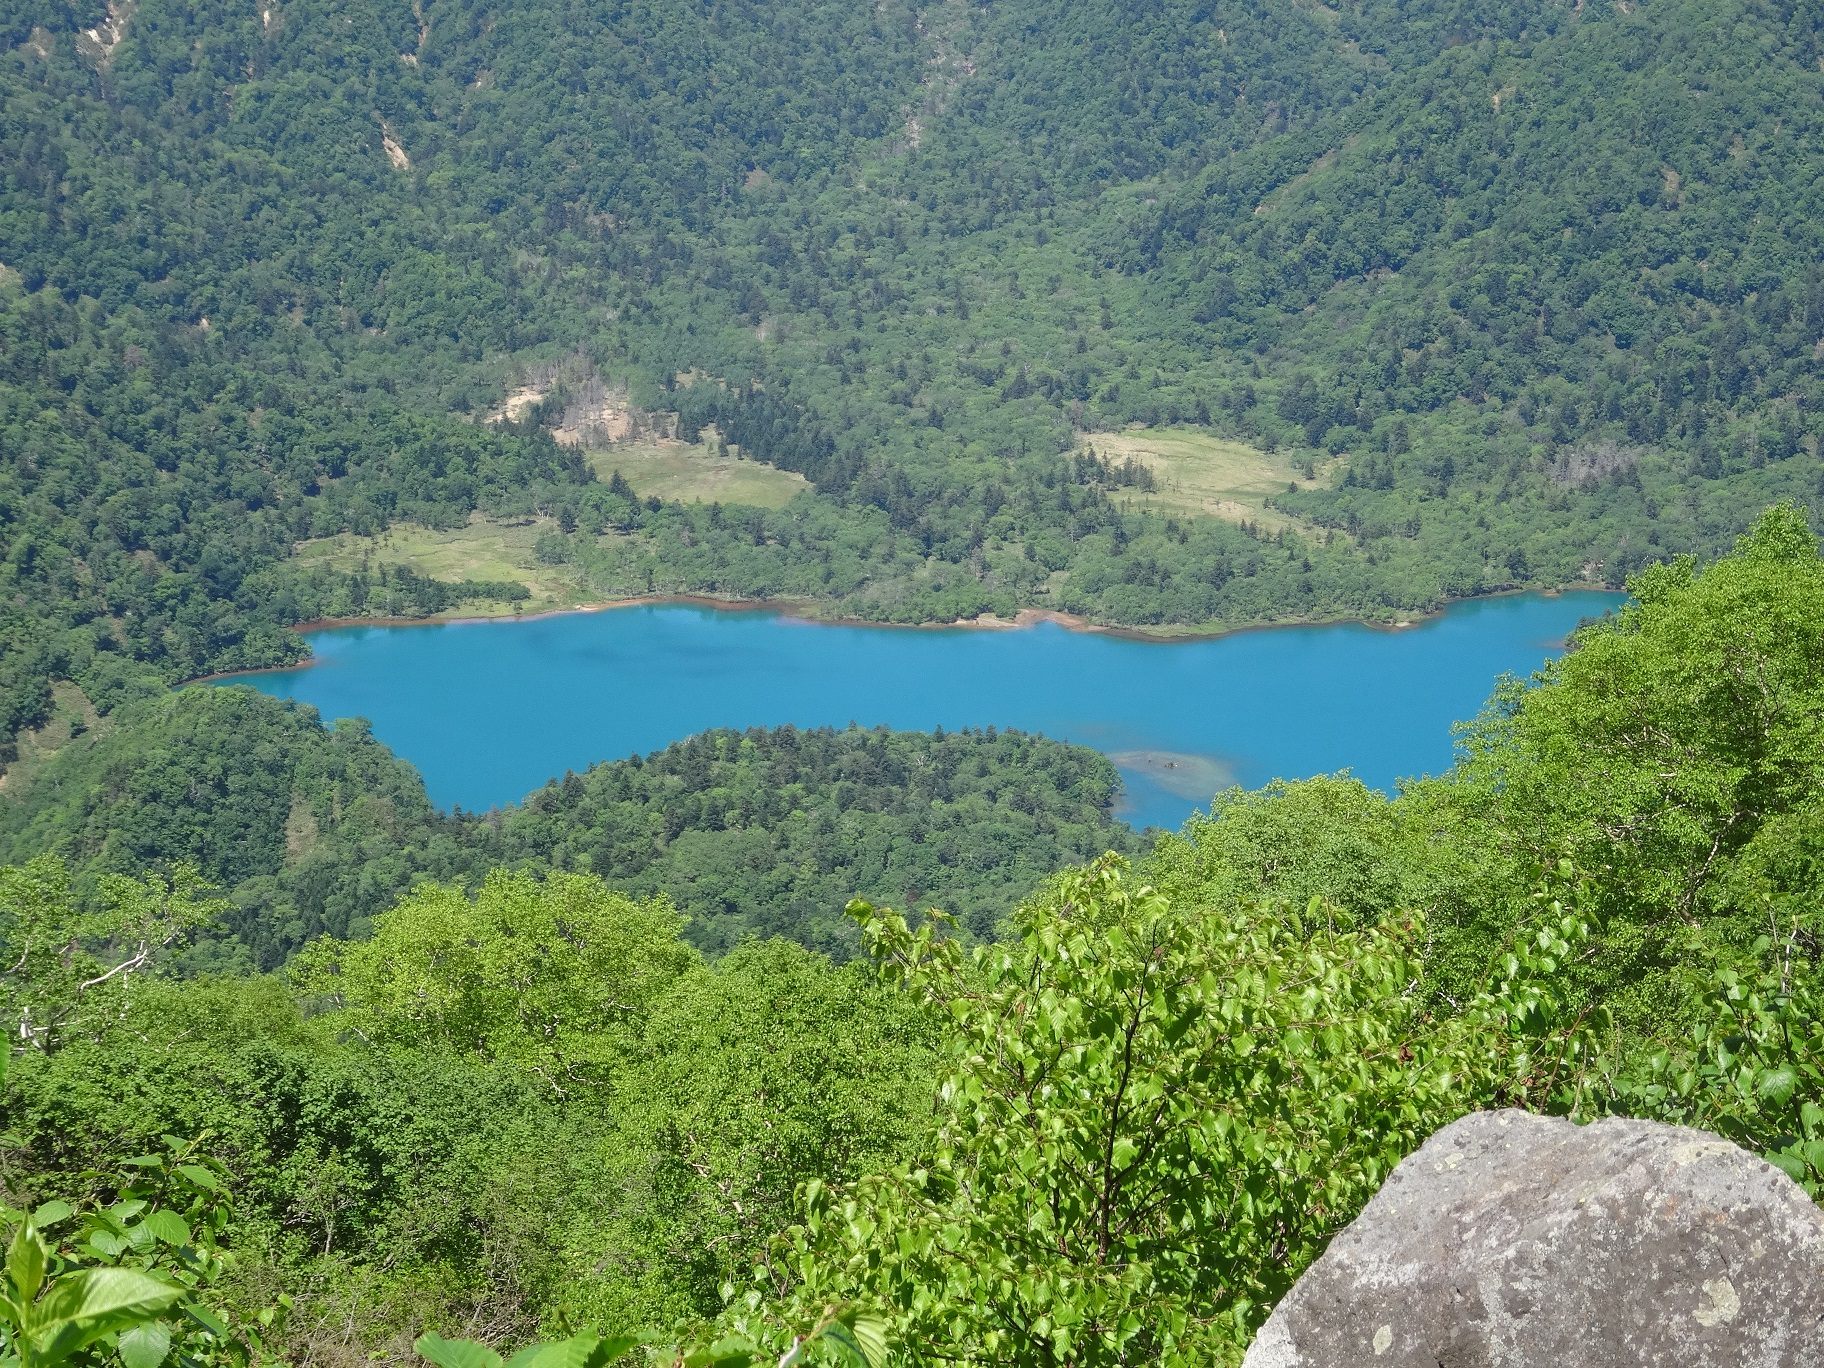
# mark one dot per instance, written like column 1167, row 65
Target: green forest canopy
column 312, row 830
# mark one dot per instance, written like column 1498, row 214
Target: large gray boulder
column 1511, row 1239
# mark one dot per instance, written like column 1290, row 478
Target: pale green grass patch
column 1200, row 473
column 71, row 715
column 681, row 472
column 484, row 550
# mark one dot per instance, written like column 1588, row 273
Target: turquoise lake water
column 489, row 711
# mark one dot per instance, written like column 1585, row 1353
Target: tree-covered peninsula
column 311, row 830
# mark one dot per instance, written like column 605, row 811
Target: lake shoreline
column 488, row 717
column 803, row 611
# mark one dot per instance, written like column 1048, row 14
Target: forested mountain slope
column 1506, row 293
column 311, row 830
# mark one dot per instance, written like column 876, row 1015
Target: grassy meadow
column 485, row 549
column 1200, row 473
column 694, row 472
column 72, row 714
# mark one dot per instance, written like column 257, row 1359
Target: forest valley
column 1358, row 309
column 1170, row 314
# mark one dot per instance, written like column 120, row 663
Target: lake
column 489, row 711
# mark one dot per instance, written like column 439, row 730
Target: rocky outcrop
column 1511, row 1239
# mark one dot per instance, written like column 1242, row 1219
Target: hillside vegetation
column 1164, row 313
column 312, row 830
column 1115, row 1136
column 1519, row 294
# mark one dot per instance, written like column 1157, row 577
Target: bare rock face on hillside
column 1512, row 1240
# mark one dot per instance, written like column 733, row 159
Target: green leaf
column 1788, row 1163
column 734, row 1351
column 868, row 1337
column 145, row 1346
column 611, row 1348
column 201, row 1176
column 50, row 1213
column 581, row 1351
column 81, row 1308
column 168, row 1226
column 107, row 1244
column 1776, row 1085
column 534, row 1353
column 208, row 1320
column 448, row 1353
column 25, row 1262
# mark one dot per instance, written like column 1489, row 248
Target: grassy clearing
column 1200, row 473
column 484, row 550
column 71, row 715
column 680, row 472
